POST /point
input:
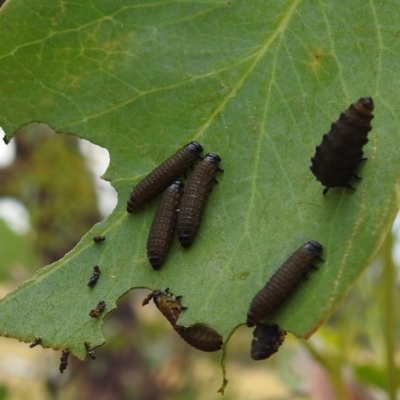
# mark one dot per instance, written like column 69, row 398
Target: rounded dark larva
column 163, row 226
column 195, row 197
column 201, row 337
column 99, row 239
column 169, row 305
column 95, row 277
column 157, row 181
column 266, row 341
column 37, row 341
column 337, row 157
column 96, row 312
column 64, row 360
column 282, row 282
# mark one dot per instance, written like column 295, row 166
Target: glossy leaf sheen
column 258, row 83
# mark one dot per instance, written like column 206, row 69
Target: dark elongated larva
column 266, row 341
column 282, row 282
column 169, row 305
column 37, row 341
column 95, row 277
column 195, row 197
column 96, row 312
column 64, row 360
column 201, row 337
column 158, row 180
column 337, row 157
column 163, row 226
column 99, row 239
column 89, row 351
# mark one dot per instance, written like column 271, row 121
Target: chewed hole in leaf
column 51, row 176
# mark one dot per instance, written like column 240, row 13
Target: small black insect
column 158, row 180
column 195, row 197
column 96, row 312
column 64, row 360
column 99, row 239
column 5, row 140
column 337, row 157
column 169, row 305
column 201, row 337
column 163, row 226
column 37, row 341
column 89, row 351
column 266, row 341
column 282, row 282
column 95, row 277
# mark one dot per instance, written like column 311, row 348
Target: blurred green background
column 354, row 355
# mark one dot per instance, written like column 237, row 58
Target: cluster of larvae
column 95, row 313
column 268, row 338
column 334, row 165
column 183, row 207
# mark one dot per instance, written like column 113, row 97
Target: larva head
column 155, row 293
column 169, row 305
column 313, row 246
column 177, row 185
column 212, row 158
column 194, row 147
column 366, row 102
column 364, row 106
column 159, row 293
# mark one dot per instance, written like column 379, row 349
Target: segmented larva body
column 95, row 277
column 337, row 157
column 96, row 312
column 195, row 197
column 99, row 239
column 89, row 350
column 162, row 229
column 169, row 305
column 158, row 180
column 282, row 282
column 37, row 341
column 64, row 360
column 266, row 341
column 201, row 337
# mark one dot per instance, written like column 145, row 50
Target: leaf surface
column 257, row 83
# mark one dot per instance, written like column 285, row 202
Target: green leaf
column 258, row 83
